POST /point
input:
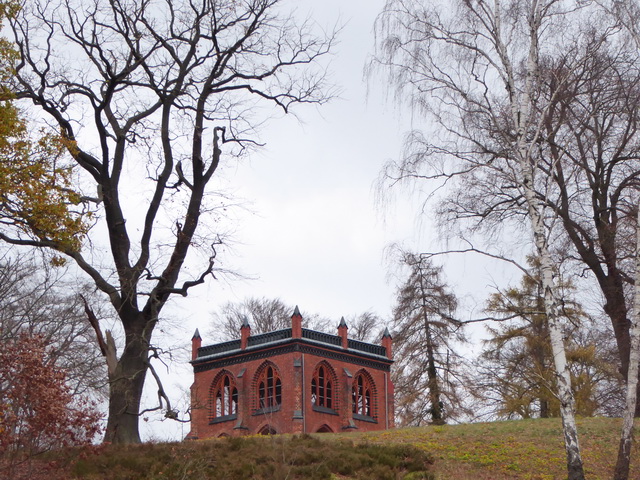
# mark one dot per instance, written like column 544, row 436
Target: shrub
column 37, row 409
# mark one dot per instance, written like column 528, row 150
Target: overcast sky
column 313, row 235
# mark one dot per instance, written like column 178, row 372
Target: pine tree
column 516, row 367
column 424, row 332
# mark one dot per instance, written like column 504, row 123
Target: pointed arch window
column 323, row 388
column 269, row 389
column 224, row 399
column 362, row 395
column 267, row 430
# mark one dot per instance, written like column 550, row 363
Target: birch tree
column 628, row 14
column 474, row 68
column 149, row 99
column 623, row 461
column 589, row 158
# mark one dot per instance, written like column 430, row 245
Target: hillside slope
column 526, row 449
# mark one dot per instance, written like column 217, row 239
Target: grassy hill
column 527, row 449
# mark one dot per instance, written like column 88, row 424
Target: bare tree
column 267, row 315
column 590, row 157
column 35, row 301
column 590, row 154
column 424, row 333
column 590, row 162
column 365, row 327
column 627, row 14
column 475, row 68
column 263, row 314
column 146, row 96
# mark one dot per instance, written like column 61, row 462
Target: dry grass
column 527, row 449
column 257, row 457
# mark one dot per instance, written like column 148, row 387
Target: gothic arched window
column 362, row 395
column 323, row 387
column 267, row 430
column 269, row 388
column 224, row 396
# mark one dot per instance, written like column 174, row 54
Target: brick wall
column 296, row 414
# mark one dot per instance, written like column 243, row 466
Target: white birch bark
column 564, row 393
column 486, row 37
column 628, row 13
column 521, row 110
column 626, row 435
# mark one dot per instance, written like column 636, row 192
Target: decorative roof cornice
column 293, row 345
column 280, row 337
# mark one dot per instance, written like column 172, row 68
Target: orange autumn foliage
column 36, row 197
column 38, row 411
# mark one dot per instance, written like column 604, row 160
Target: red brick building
column 294, row 380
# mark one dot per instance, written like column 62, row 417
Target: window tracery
column 269, row 388
column 224, row 397
column 323, row 387
column 362, row 395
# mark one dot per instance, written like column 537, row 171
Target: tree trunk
column 615, row 308
column 541, row 339
column 626, row 436
column 544, row 408
column 610, row 280
column 521, row 108
column 437, row 415
column 575, row 470
column 126, row 384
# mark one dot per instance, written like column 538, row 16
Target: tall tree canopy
column 588, row 177
column 36, row 301
column 147, row 99
column 427, row 368
column 515, row 373
column 480, row 71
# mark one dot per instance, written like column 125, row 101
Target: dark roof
column 281, row 336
